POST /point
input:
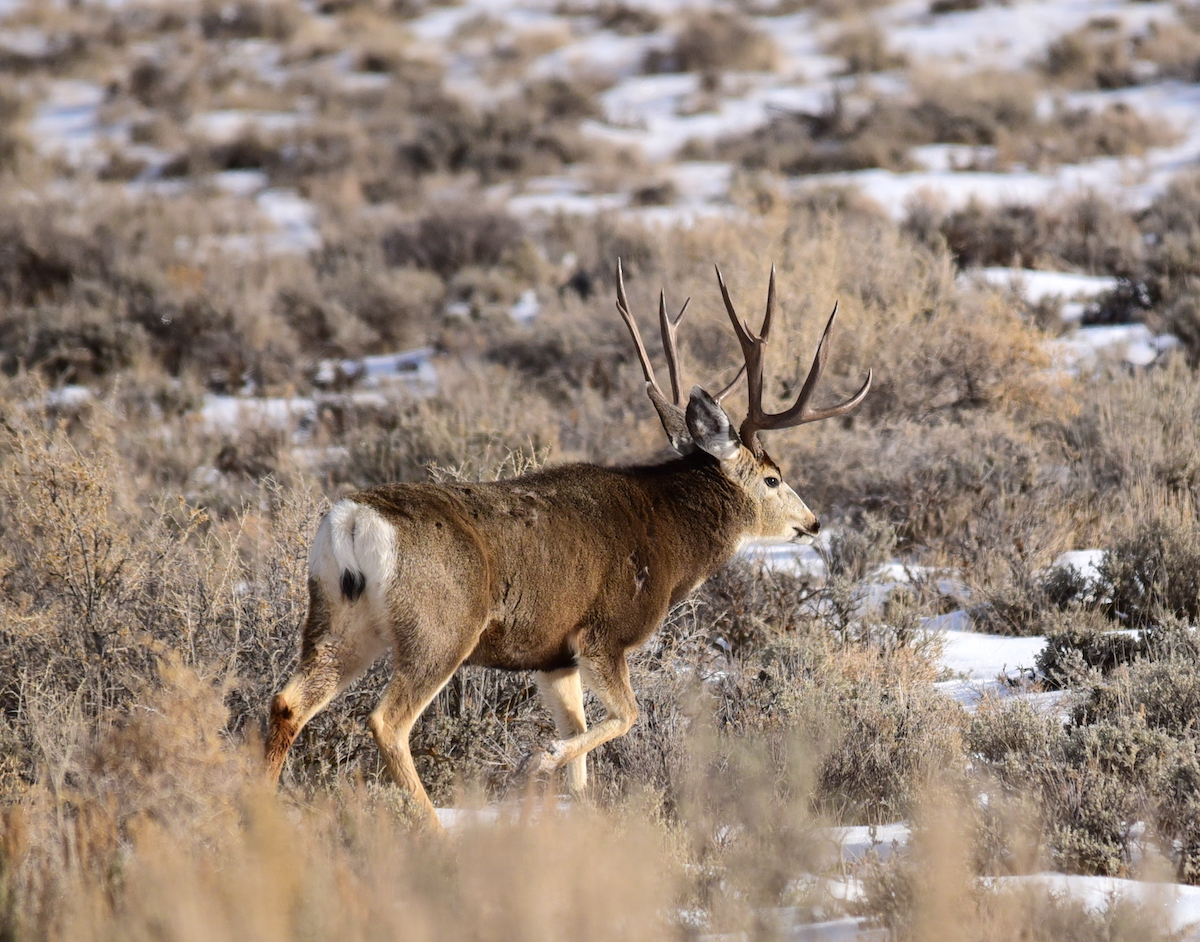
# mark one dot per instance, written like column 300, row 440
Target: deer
column 562, row 571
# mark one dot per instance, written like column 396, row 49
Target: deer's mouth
column 801, row 535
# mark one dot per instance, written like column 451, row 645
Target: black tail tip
column 354, row 583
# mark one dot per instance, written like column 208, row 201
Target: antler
column 671, row 411
column 757, row 419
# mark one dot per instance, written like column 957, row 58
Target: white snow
column 227, row 125
column 1180, row 905
column 414, row 369
column 981, row 657
column 602, row 55
column 794, row 558
column 945, row 158
column 1086, row 562
column 1133, row 344
column 233, row 413
column 294, row 217
column 846, row 929
column 1036, row 286
column 1005, row 36
column 452, row 818
column 854, row 843
column 241, row 182
column 67, row 122
column 28, row 42
column 526, row 308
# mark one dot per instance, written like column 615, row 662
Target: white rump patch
column 354, row 538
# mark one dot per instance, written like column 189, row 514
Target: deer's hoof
column 538, row 763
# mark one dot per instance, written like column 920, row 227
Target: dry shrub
column 896, row 740
column 1127, row 755
column 864, row 47
column 1073, row 135
column 1155, row 572
column 1170, row 271
column 713, row 42
column 1085, row 231
column 448, row 240
column 13, row 144
column 922, row 898
column 99, row 582
column 1133, row 445
column 623, row 18
column 1091, row 782
column 1090, row 57
column 94, row 295
column 345, row 865
column 984, row 109
column 248, row 19
column 520, row 137
column 1174, row 48
column 1103, row 55
column 475, row 438
column 1082, row 642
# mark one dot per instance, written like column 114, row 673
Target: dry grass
column 143, row 633
column 152, row 569
column 1103, row 55
column 996, row 110
column 713, row 42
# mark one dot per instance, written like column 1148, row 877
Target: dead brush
column 864, row 47
column 930, row 893
column 171, row 813
column 712, row 43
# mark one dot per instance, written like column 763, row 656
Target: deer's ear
column 710, row 426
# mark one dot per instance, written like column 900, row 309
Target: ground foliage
column 152, row 566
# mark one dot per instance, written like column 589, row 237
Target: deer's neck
column 700, row 516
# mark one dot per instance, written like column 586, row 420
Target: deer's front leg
column 563, row 692
column 608, row 678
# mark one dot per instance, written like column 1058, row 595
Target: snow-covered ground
column 660, row 114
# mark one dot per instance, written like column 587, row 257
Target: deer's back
column 573, row 556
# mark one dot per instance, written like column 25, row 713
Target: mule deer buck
column 560, row 572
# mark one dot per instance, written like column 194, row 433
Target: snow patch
column 981, row 657
column 1179, row 904
column 1038, row 286
column 1133, row 344
column 413, row 369
column 1085, row 562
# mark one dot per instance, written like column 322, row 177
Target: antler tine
column 799, row 413
column 743, row 333
column 766, row 327
column 670, row 347
column 732, row 383
column 757, row 419
column 627, row 317
column 671, row 414
column 752, row 354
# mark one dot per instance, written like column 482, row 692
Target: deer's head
column 703, row 424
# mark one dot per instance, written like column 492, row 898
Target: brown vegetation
column 152, row 565
column 988, row 109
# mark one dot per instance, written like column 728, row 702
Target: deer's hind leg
column 428, row 652
column 333, row 653
column 563, row 692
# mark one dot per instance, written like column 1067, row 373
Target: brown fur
column 560, row 572
column 563, row 569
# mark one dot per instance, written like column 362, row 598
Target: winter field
column 255, row 255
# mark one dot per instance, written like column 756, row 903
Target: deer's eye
column 771, row 481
